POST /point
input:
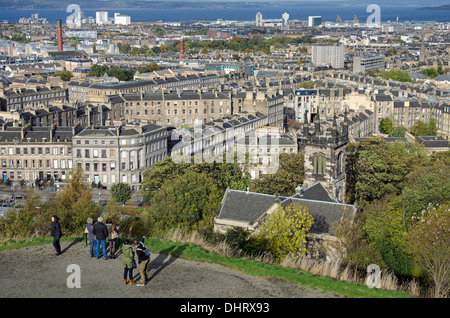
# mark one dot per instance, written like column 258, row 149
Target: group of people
column 98, row 233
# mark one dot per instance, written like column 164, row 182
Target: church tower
column 325, row 156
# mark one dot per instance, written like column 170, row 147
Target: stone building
column 113, row 154
column 33, row 155
column 325, row 156
column 248, row 210
column 18, row 99
column 176, row 108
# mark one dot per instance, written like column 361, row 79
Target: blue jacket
column 90, row 227
column 140, row 252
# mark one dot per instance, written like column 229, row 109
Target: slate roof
column 317, row 192
column 432, row 141
column 249, row 206
column 327, row 215
column 245, row 206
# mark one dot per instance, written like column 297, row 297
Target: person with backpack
column 113, row 235
column 101, row 233
column 128, row 256
column 143, row 254
column 56, row 233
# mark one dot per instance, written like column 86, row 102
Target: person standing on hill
column 90, row 229
column 128, row 255
column 101, row 233
column 56, row 233
column 143, row 260
column 112, row 237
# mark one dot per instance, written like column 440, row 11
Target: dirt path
column 33, row 272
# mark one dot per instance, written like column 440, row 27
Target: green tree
column 98, row 70
column 385, row 125
column 421, row 128
column 376, row 168
column 386, row 232
column 425, row 186
column 121, row 192
column 149, row 68
column 289, row 176
column 64, row 75
column 430, row 72
column 429, row 242
column 121, row 73
column 398, row 131
column 286, row 230
column 189, row 201
column 162, row 171
column 396, row 75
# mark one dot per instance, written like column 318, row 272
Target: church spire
column 317, row 121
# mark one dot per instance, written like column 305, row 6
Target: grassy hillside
column 251, row 267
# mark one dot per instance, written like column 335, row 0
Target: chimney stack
column 59, row 35
column 181, row 49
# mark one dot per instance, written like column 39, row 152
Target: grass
column 195, row 252
column 257, row 268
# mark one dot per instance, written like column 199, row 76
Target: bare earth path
column 36, row 272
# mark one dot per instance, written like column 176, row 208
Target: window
column 320, row 164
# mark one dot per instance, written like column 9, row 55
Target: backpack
column 145, row 250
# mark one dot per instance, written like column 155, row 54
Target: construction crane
column 338, row 19
column 355, row 19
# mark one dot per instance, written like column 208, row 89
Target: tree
column 161, row 172
column 64, row 75
column 98, row 70
column 430, row 72
column 223, row 174
column 74, row 204
column 189, row 201
column 396, row 75
column 121, row 74
column 421, row 128
column 429, row 242
column 376, row 168
column 425, row 186
column 385, row 230
column 398, row 131
column 289, row 176
column 286, row 230
column 149, row 68
column 385, row 125
column 121, row 192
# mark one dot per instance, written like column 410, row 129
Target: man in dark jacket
column 101, row 233
column 143, row 260
column 55, row 231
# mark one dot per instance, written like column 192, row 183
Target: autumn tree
column 74, row 204
column 286, row 230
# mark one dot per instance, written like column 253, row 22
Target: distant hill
column 443, row 7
